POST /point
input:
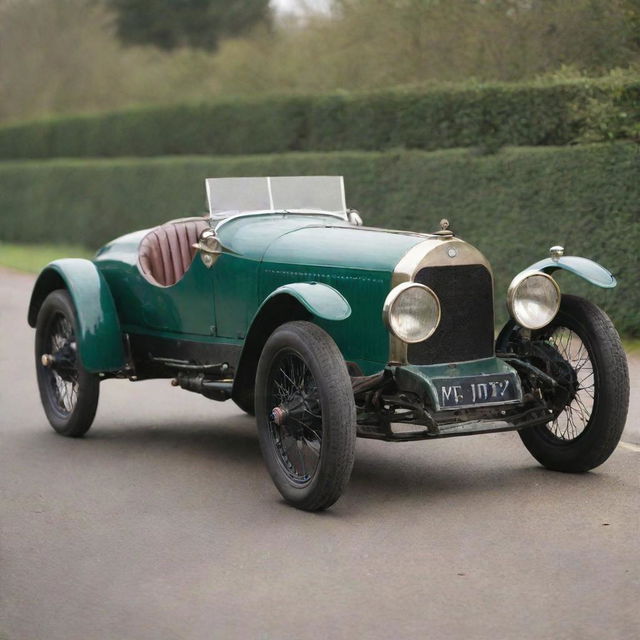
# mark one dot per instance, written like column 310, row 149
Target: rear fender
column 99, row 336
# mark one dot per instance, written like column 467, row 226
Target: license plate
column 478, row 391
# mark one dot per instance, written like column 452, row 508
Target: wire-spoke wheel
column 587, row 429
column 573, row 419
column 306, row 415
column 69, row 393
column 295, row 422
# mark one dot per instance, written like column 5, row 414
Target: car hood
column 316, row 241
column 342, row 246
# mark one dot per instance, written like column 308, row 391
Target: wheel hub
column 549, row 360
column 278, row 415
column 290, row 415
column 63, row 361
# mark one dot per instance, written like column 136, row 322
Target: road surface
column 163, row 524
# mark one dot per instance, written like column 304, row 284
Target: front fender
column 319, row 299
column 587, row 269
column 99, row 337
column 296, row 301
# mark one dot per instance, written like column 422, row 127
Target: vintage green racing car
column 280, row 300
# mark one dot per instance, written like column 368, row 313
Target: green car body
column 275, row 267
column 328, row 330
column 269, row 255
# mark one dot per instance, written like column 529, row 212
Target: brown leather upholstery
column 166, row 252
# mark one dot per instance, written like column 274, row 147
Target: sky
column 297, row 6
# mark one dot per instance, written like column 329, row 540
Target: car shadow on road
column 423, row 480
column 235, row 440
column 379, row 474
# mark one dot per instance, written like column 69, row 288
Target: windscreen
column 228, row 196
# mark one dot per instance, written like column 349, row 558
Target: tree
column 199, row 24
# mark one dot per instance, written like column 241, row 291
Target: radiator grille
column 465, row 331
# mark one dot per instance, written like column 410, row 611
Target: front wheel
column 69, row 393
column 306, row 415
column 582, row 341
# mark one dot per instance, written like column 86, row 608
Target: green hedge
column 513, row 205
column 486, row 117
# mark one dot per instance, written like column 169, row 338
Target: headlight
column 533, row 299
column 411, row 312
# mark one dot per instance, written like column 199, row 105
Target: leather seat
column 166, row 252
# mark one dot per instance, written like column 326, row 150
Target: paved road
column 162, row 523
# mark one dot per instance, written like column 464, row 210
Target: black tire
column 69, row 393
column 310, row 447
column 588, row 429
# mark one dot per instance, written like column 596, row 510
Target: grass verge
column 32, row 258
column 632, row 347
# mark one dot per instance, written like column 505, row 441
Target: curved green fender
column 99, row 336
column 319, row 299
column 588, row 269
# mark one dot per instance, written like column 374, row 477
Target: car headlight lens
column 533, row 299
column 411, row 312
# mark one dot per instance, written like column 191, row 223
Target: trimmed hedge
column 513, row 205
column 487, row 117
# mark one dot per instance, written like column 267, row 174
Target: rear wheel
column 68, row 392
column 582, row 344
column 306, row 416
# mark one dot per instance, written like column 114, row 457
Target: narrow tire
column 322, row 395
column 69, row 398
column 602, row 431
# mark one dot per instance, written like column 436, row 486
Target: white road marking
column 631, row 447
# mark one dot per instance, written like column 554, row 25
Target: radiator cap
column 444, row 231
